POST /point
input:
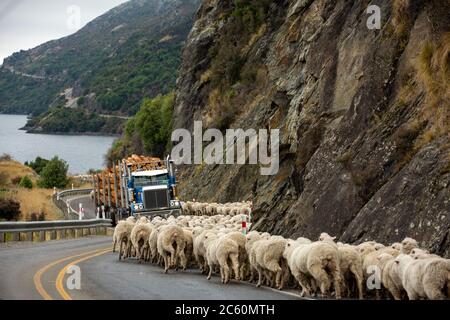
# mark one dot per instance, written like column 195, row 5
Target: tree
column 9, row 209
column 54, row 174
column 26, row 182
column 38, row 164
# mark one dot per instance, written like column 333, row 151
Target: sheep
column 408, row 244
column 199, row 249
column 218, row 252
column 188, row 236
column 425, row 278
column 167, row 238
column 396, row 246
column 390, row 275
column 314, row 263
column 268, row 254
column 241, row 241
column 351, row 264
column 139, row 236
column 121, row 235
column 418, row 253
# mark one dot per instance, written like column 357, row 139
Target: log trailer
column 138, row 185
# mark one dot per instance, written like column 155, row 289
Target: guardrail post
column 2, row 237
column 103, row 212
column 109, row 190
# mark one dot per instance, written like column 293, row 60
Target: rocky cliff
column 363, row 114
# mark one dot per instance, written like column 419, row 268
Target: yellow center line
column 38, row 275
column 61, row 274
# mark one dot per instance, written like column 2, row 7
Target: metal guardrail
column 63, row 205
column 26, row 226
column 73, row 192
column 20, row 231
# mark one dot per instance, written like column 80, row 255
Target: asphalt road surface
column 43, row 271
column 88, row 205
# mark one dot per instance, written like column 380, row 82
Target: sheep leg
column 210, row 271
column 337, row 281
column 120, row 250
column 259, row 276
column 434, row 293
column 166, row 262
column 114, row 245
column 235, row 264
column 172, row 256
column 359, row 280
column 395, row 293
column 302, row 281
column 321, row 277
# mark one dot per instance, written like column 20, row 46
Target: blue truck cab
column 152, row 192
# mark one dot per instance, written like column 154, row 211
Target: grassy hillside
column 32, row 201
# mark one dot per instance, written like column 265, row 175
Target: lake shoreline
column 82, row 152
column 89, row 134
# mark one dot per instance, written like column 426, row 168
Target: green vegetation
column 38, row 164
column 114, row 63
column 26, row 182
column 66, row 120
column 148, row 132
column 229, row 65
column 54, row 174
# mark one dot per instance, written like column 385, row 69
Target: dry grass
column 433, row 72
column 401, row 18
column 13, row 169
column 31, row 201
column 37, row 201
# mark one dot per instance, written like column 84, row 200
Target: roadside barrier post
column 244, row 224
column 80, row 212
column 98, row 212
column 103, row 212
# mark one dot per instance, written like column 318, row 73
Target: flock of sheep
column 210, row 237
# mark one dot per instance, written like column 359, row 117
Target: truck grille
column 154, row 199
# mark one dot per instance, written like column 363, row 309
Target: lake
column 81, row 152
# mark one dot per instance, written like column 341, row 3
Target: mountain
column 363, row 115
column 107, row 67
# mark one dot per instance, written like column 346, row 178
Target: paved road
column 37, row 271
column 88, row 205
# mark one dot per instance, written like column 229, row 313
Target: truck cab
column 152, row 191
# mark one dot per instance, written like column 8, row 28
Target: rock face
column 363, row 117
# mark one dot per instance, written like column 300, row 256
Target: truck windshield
column 144, row 181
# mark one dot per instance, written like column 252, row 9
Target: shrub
column 38, row 164
column 26, row 182
column 54, row 174
column 5, row 157
column 9, row 209
column 16, row 180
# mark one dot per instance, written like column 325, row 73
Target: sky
column 25, row 24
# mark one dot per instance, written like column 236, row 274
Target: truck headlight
column 174, row 203
column 136, row 207
column 141, row 206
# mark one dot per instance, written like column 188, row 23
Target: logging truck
column 138, row 185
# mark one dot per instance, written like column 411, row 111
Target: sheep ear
column 333, row 238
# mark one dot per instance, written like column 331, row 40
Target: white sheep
column 424, row 278
column 408, row 244
column 314, row 264
column 219, row 251
column 167, row 238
